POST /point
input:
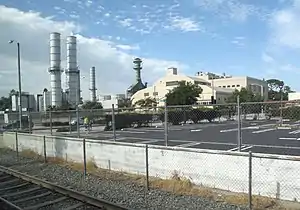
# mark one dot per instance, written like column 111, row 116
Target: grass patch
column 176, row 184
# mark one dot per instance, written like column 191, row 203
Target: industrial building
column 56, row 96
column 220, row 87
column 294, row 96
column 257, row 86
column 108, row 100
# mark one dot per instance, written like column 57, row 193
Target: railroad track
column 21, row 191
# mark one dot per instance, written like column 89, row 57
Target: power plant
column 55, row 69
column 93, row 84
column 72, row 72
column 55, row 96
column 138, row 85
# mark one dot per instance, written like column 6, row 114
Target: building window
column 220, row 86
column 172, row 83
column 228, row 86
column 238, row 85
column 146, row 94
column 155, row 93
column 233, row 86
column 201, row 83
column 224, row 86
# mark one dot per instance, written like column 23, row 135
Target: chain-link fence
column 245, row 179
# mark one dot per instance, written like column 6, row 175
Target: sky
column 237, row 37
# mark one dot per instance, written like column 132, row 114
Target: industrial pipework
column 72, row 72
column 137, row 66
column 93, row 84
column 55, row 69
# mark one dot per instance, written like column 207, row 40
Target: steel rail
column 96, row 202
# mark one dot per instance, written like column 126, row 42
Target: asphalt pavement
column 264, row 136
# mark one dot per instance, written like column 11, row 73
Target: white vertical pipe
column 55, row 69
column 72, row 70
column 93, row 84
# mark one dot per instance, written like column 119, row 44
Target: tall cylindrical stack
column 72, row 71
column 93, row 84
column 55, row 69
column 137, row 66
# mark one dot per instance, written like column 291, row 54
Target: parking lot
column 264, row 136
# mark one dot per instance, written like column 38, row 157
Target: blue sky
column 239, row 37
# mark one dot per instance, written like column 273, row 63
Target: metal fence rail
column 250, row 175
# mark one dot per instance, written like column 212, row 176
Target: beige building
column 257, row 86
column 221, row 87
column 294, row 96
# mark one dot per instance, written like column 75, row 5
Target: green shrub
column 56, row 123
column 127, row 120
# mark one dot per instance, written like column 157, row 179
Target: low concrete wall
column 272, row 175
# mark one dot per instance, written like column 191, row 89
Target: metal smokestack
column 55, row 69
column 72, row 71
column 137, row 66
column 93, row 84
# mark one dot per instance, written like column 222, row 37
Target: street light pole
column 20, row 84
column 20, row 89
column 281, row 105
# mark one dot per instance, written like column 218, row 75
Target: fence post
column 29, row 122
column 50, row 116
column 84, row 159
column 77, row 121
column 17, row 146
column 250, row 180
column 147, row 167
column 239, row 124
column 45, row 152
column 113, row 121
column 70, row 119
column 166, row 124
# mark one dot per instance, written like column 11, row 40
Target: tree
column 274, row 93
column 183, row 94
column 147, row 102
column 92, row 105
column 246, row 95
column 5, row 103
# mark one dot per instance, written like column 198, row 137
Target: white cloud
column 239, row 41
column 113, row 66
column 126, row 22
column 232, row 9
column 184, row 24
column 267, row 58
column 127, row 47
column 285, row 28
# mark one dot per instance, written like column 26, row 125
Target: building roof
column 198, row 79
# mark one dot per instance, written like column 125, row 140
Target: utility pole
column 19, row 81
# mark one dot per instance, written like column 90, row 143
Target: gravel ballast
column 123, row 192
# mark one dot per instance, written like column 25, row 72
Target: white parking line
column 189, row 144
column 235, row 129
column 147, row 142
column 236, row 148
column 197, row 130
column 131, row 131
column 245, row 148
column 284, row 128
column 287, row 138
column 294, row 132
column 265, row 130
column 267, row 125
